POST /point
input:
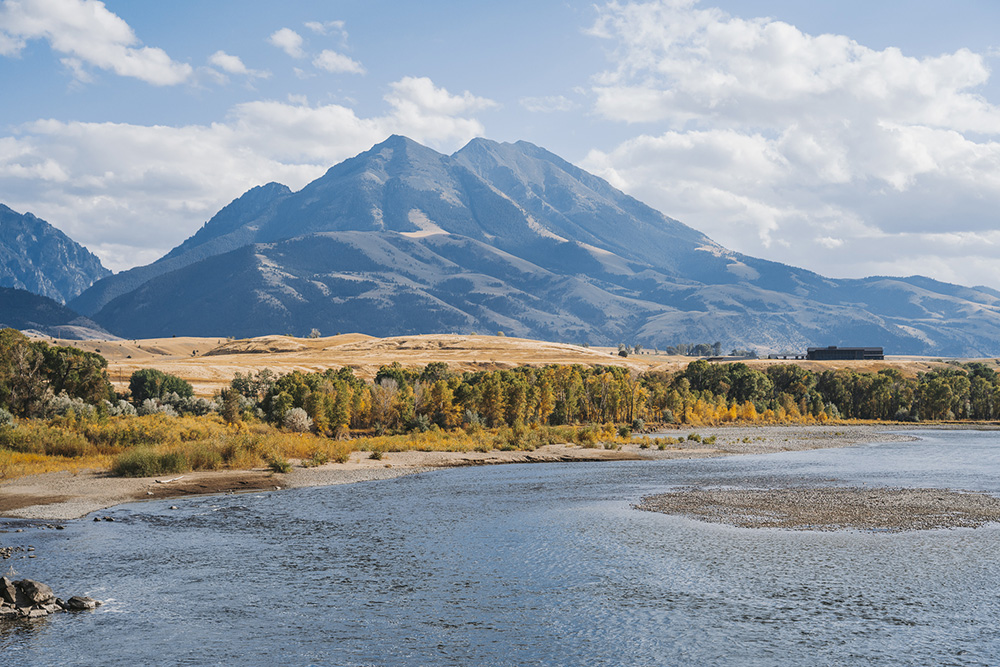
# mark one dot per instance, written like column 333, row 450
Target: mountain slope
column 37, row 257
column 20, row 309
column 230, row 228
column 402, row 239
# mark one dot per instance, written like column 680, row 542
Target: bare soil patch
column 16, row 501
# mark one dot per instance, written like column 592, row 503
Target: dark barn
column 833, row 353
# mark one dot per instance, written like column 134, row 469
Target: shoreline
column 63, row 496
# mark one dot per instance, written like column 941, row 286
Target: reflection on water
column 533, row 564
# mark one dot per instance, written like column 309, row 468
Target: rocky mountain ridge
column 509, row 237
column 37, row 257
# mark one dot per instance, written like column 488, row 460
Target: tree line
column 39, row 380
column 401, row 399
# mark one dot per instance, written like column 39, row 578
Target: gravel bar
column 831, row 508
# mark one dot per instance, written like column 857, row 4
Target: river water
column 543, row 564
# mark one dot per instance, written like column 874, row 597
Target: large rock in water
column 28, row 598
column 82, row 602
column 35, row 591
column 8, row 592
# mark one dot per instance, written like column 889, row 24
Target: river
column 542, row 564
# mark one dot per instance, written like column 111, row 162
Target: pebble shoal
column 831, row 508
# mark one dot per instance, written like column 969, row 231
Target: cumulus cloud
column 421, row 93
column 813, row 150
column 334, row 62
column 130, row 192
column 288, row 41
column 234, row 65
column 90, row 36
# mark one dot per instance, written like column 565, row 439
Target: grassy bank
column 158, row 444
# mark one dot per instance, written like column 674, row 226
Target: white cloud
column 89, row 35
column 548, row 104
column 421, row 93
column 327, row 27
column 331, row 61
column 130, row 192
column 234, row 65
column 288, row 41
column 784, row 144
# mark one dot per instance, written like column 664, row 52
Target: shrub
column 279, row 464
column 6, row 419
column 201, row 456
column 65, row 406
column 120, row 409
column 37, row 438
column 586, row 437
column 638, row 424
column 297, row 420
column 144, row 462
column 152, row 406
column 420, row 424
column 318, row 458
column 189, row 405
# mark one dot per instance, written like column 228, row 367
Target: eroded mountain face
column 37, row 257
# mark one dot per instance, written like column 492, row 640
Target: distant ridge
column 31, row 313
column 37, row 257
column 401, row 239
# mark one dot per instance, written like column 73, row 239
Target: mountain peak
column 399, row 142
column 38, row 257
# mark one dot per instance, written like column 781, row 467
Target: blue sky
column 851, row 138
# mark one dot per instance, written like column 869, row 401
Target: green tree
column 22, row 379
column 77, row 373
column 148, row 383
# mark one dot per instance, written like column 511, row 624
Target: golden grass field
column 210, row 363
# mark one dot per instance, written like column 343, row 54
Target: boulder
column 8, row 593
column 81, row 602
column 28, row 598
column 35, row 591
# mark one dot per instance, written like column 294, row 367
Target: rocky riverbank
column 32, row 599
column 831, row 508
